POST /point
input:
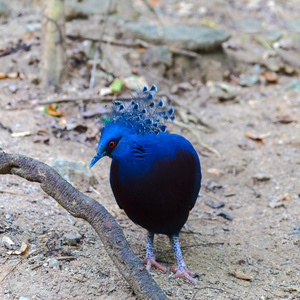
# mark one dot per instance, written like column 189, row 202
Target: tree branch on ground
column 81, row 206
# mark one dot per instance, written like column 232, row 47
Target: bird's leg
column 150, row 258
column 181, row 268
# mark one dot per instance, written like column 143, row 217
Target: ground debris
column 214, row 205
column 261, row 177
column 241, row 275
column 226, row 215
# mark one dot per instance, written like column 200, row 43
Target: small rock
column 214, row 205
column 7, row 242
column 248, row 80
column 53, row 263
column 4, row 9
column 225, row 228
column 213, row 186
column 272, row 36
column 226, row 215
column 83, row 9
column 262, row 177
column 13, row 88
column 185, row 37
column 285, row 197
column 276, row 204
column 292, row 25
column 157, row 55
column 295, row 142
column 78, row 174
column 116, row 63
column 72, row 238
column 135, row 83
column 247, row 25
column 222, row 90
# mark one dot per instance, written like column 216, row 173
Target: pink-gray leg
column 181, row 269
column 150, row 258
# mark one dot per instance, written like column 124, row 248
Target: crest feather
column 144, row 111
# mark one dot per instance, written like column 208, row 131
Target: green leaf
column 117, row 85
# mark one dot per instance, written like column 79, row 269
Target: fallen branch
column 81, row 99
column 81, row 206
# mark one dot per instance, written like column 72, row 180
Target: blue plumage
column 155, row 176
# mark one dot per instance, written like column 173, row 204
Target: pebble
column 53, row 263
column 226, row 215
column 72, row 238
column 262, row 177
column 13, row 88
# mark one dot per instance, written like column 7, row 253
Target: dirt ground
column 256, row 255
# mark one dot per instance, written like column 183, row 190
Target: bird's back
column 157, row 181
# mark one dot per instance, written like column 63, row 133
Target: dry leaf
column 255, row 137
column 2, row 75
column 51, row 110
column 105, row 91
column 271, row 77
column 27, row 36
column 252, row 136
column 21, row 134
column 13, row 75
column 22, row 250
column 155, row 2
column 42, row 237
column 215, row 171
column 285, row 197
column 42, row 139
column 43, row 130
column 6, row 240
column 241, row 275
column 284, row 119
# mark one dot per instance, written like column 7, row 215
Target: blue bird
column 155, row 176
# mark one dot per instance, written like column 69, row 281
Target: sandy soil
column 258, row 182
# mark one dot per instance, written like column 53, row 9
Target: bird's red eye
column 111, row 144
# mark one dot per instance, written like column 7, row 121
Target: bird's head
column 111, row 135
column 140, row 115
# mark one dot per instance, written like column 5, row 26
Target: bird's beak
column 96, row 158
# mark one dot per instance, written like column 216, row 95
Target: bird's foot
column 183, row 271
column 150, row 261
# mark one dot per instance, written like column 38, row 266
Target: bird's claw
column 183, row 271
column 150, row 261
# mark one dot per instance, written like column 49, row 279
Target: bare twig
column 193, row 130
column 184, row 52
column 82, row 99
column 37, row 266
column 65, row 257
column 111, row 41
column 11, row 270
column 81, row 206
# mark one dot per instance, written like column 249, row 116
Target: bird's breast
column 157, row 192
